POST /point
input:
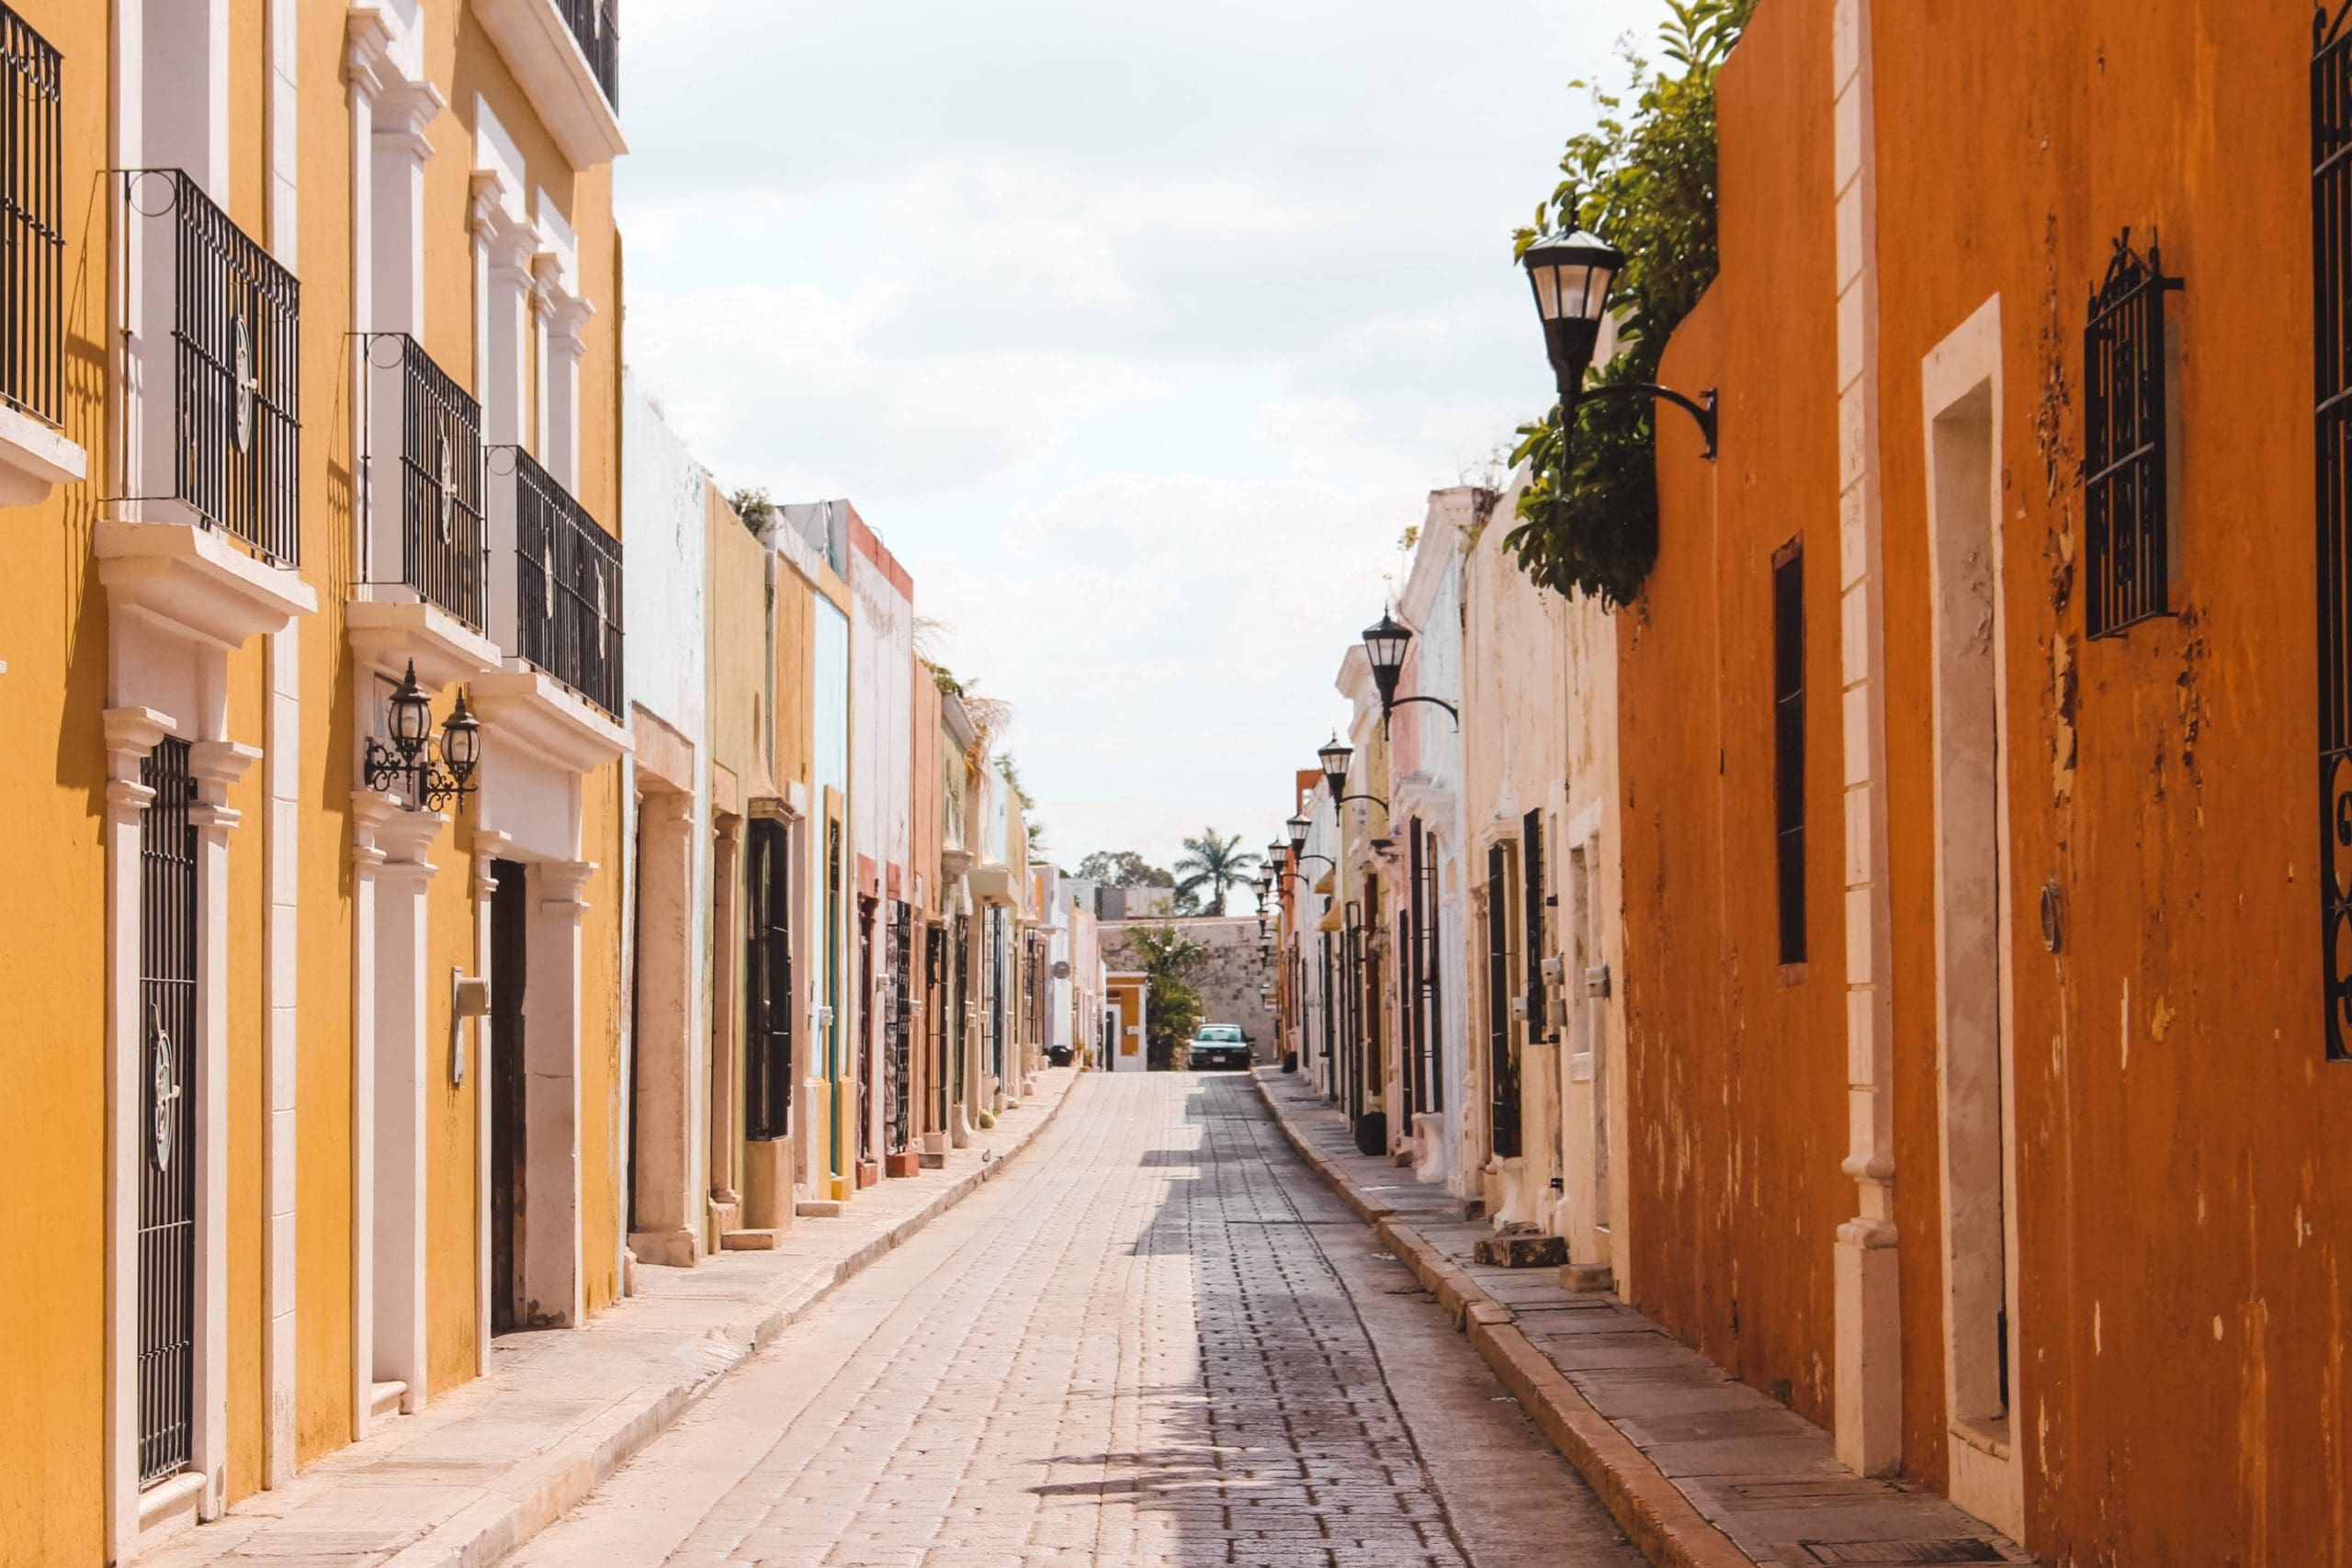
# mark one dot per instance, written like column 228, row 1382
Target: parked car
column 1219, row 1046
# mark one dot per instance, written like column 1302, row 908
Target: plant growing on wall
column 1644, row 179
column 1174, row 1009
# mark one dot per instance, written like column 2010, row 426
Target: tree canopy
column 1213, row 863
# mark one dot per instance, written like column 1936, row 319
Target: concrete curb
column 481, row 1535
column 1653, row 1512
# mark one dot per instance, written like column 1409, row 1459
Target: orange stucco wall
column 1737, row 1069
column 2180, row 1218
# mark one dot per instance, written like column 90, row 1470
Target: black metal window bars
column 2330, row 112
column 768, row 1065
column 236, row 328
column 445, row 542
column 1788, row 747
column 167, row 995
column 901, row 1027
column 594, row 29
column 1502, row 1049
column 567, row 587
column 2127, row 533
column 32, row 232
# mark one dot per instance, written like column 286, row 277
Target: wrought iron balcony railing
column 219, row 323
column 422, row 469
column 567, row 587
column 32, row 235
column 594, row 26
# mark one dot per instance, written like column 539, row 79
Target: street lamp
column 432, row 782
column 1571, row 274
column 1384, row 642
column 1298, row 828
column 1334, row 755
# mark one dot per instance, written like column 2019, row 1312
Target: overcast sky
column 1139, row 332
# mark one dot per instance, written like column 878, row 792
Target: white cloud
column 1140, row 331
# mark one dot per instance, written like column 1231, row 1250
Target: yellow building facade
column 311, row 383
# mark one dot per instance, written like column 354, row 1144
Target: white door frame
column 1975, row 1022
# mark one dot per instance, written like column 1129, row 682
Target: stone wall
column 1228, row 982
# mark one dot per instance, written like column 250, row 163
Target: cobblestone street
column 1158, row 1340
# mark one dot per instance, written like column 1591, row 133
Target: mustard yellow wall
column 52, row 638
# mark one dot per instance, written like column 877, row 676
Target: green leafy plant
column 756, row 509
column 1643, row 179
column 1174, row 1008
column 1123, row 868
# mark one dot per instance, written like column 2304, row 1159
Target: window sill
column 35, row 459
column 1985, row 1436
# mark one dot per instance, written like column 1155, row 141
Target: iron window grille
column 1408, row 950
column 167, row 996
column 1788, row 744
column 1426, row 959
column 1533, row 904
column 962, row 1005
column 2127, row 531
column 595, row 30
column 445, row 542
column 567, row 587
column 1502, row 1089
column 1351, row 1006
column 867, row 1065
column 901, row 1027
column 32, row 230
column 232, row 457
column 934, row 1011
column 2331, row 113
column 768, row 1064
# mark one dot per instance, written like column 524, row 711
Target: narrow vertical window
column 767, row 942
column 1531, row 905
column 1787, row 742
column 1502, row 1048
column 2331, row 393
column 1426, row 927
column 2127, row 533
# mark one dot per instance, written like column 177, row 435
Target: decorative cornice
column 132, row 733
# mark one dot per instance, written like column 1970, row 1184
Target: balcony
column 421, row 481
column 213, row 338
column 566, row 56
column 35, row 453
column 595, row 29
column 567, row 588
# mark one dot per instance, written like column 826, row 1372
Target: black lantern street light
column 1334, row 755
column 1571, row 274
column 430, row 783
column 1385, row 643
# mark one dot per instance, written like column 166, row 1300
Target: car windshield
column 1221, row 1032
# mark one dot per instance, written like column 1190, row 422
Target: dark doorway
column 510, row 912
column 867, row 1065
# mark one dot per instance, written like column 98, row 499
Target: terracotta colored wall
column 1736, row 1072
column 2181, row 1315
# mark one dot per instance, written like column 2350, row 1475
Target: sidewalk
column 1701, row 1471
column 486, row 1466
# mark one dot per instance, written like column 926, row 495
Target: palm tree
column 1216, row 862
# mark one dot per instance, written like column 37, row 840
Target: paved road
column 1157, row 1340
